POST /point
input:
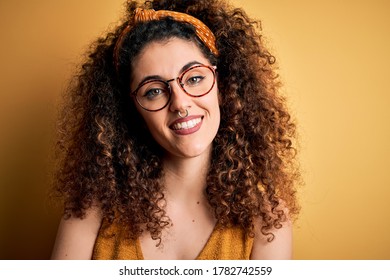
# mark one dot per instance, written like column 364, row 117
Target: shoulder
column 279, row 248
column 76, row 237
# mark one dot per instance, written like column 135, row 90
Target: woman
column 175, row 143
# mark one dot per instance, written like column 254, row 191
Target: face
column 186, row 137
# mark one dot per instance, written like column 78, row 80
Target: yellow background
column 334, row 59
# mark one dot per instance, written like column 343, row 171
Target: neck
column 186, row 177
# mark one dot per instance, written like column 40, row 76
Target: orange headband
column 142, row 15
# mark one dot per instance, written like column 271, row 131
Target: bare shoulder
column 280, row 248
column 76, row 237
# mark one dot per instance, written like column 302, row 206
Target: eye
column 154, row 93
column 194, row 80
column 153, row 90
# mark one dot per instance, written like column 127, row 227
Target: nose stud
column 180, row 114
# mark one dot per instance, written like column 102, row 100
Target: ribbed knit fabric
column 224, row 243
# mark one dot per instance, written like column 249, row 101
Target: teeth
column 186, row 125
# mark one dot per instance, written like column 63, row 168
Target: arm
column 279, row 249
column 76, row 237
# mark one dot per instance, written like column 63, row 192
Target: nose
column 179, row 99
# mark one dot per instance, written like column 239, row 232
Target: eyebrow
column 157, row 77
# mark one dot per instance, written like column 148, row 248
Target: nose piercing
column 182, row 116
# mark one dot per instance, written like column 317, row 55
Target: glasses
column 196, row 81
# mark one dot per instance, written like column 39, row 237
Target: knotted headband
column 142, row 15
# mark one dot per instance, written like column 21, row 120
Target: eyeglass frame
column 213, row 69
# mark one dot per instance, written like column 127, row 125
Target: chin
column 192, row 153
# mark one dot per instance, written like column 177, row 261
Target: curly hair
column 106, row 156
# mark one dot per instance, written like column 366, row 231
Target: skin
column 187, row 156
column 168, row 60
column 76, row 237
column 186, row 163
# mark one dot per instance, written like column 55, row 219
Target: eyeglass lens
column 153, row 95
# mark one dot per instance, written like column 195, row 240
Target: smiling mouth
column 187, row 124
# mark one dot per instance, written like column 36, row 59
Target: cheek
column 217, row 117
column 212, row 106
column 152, row 121
column 144, row 118
column 149, row 122
column 217, row 110
column 214, row 101
column 219, row 97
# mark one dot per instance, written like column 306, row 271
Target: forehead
column 166, row 58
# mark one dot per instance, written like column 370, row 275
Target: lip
column 187, row 131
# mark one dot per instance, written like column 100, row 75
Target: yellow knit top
column 224, row 243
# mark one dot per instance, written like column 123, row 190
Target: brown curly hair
column 106, row 157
